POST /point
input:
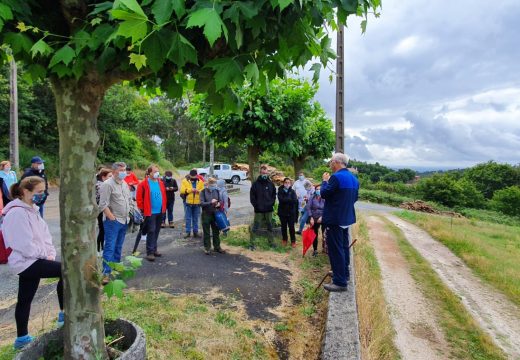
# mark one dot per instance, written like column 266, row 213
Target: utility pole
column 340, row 95
column 211, row 156
column 13, row 116
column 204, row 151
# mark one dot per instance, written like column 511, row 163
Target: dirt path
column 418, row 333
column 495, row 314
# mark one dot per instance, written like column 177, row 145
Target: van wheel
column 235, row 179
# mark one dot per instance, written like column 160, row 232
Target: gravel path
column 496, row 315
column 418, row 335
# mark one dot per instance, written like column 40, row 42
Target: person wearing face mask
column 191, row 187
column 37, row 169
column 151, row 200
column 116, row 203
column 210, row 201
column 303, row 188
column 101, row 177
column 315, row 207
column 33, row 255
column 287, row 210
column 262, row 196
column 7, row 174
column 171, row 187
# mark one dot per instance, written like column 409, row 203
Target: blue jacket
column 340, row 194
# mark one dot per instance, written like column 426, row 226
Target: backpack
column 4, row 252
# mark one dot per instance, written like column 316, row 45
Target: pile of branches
column 419, row 205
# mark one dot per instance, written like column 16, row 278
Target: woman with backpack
column 33, row 255
column 315, row 207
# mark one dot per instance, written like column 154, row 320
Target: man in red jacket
column 151, row 200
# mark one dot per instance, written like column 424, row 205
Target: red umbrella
column 308, row 236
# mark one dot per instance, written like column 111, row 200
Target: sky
column 432, row 84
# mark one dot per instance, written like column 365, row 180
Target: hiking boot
column 334, row 288
column 22, row 341
column 284, row 242
column 252, row 247
column 172, row 226
column 315, row 253
column 187, row 235
column 157, row 254
column 196, row 235
column 61, row 319
column 105, row 280
column 220, row 251
column 150, row 257
column 163, row 225
column 207, row 252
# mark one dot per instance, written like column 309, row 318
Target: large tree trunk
column 77, row 107
column 253, row 152
column 298, row 162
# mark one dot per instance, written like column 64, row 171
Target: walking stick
column 329, row 273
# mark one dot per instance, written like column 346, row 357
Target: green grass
column 7, row 352
column 489, row 216
column 382, row 197
column 376, row 331
column 466, row 339
column 239, row 236
column 491, row 250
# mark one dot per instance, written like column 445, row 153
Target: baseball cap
column 193, row 172
column 36, row 159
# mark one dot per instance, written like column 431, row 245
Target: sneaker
column 187, row 235
column 61, row 319
column 284, row 242
column 334, row 288
column 220, row 251
column 252, row 247
column 207, row 252
column 157, row 254
column 150, row 257
column 172, row 226
column 22, row 341
column 163, row 225
column 315, row 253
column 293, row 245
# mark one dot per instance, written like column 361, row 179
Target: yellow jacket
column 191, row 197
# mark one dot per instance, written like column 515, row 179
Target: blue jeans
column 192, row 216
column 303, row 219
column 114, row 238
column 339, row 253
column 41, row 210
column 169, row 211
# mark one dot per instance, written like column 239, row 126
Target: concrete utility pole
column 211, row 156
column 340, row 95
column 13, row 116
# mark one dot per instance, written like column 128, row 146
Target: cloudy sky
column 432, row 84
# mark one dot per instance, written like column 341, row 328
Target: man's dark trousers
column 339, row 255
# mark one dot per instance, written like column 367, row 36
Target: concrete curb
column 341, row 339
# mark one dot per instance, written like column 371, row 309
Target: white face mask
column 156, row 175
column 41, row 167
column 7, row 168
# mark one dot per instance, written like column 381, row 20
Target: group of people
column 119, row 194
column 329, row 206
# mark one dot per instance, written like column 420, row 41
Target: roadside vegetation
column 466, row 339
column 375, row 328
column 490, row 249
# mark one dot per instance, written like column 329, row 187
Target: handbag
column 137, row 217
column 221, row 220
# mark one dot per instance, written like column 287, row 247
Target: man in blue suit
column 340, row 191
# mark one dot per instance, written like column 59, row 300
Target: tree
column 318, row 140
column 491, row 176
column 272, row 121
column 507, row 200
column 86, row 46
column 442, row 189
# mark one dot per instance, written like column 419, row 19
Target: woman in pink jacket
column 33, row 256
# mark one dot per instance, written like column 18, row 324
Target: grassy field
column 466, row 339
column 375, row 328
column 491, row 250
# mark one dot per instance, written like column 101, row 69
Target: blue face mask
column 301, row 177
column 317, row 192
column 168, row 177
column 122, row 175
column 212, row 187
column 39, row 199
column 264, row 177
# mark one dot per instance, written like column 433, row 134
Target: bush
column 52, row 163
column 507, row 201
column 442, row 189
column 394, row 188
column 382, row 197
column 491, row 176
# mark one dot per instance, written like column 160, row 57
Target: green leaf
column 5, row 12
column 133, row 5
column 100, row 35
column 182, row 51
column 363, row 26
column 139, row 60
column 41, row 47
column 284, row 3
column 210, row 20
column 226, row 70
column 114, row 288
column 81, row 39
column 134, row 261
column 251, row 71
column 102, row 7
column 179, row 8
column 135, row 28
column 64, row 55
column 156, row 47
column 34, row 72
column 316, row 68
column 162, row 10
column 61, row 70
column 18, row 42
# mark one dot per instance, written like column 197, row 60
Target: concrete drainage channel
column 341, row 339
